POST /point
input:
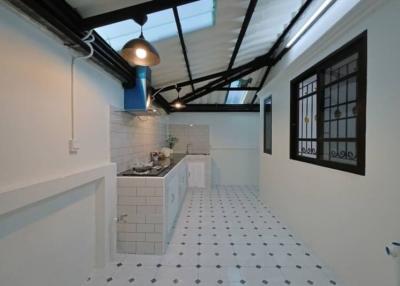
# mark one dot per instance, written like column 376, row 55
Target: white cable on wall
column 88, row 40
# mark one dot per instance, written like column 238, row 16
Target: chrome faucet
column 187, row 148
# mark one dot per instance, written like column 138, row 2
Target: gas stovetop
column 152, row 172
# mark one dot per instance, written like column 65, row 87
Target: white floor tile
column 225, row 236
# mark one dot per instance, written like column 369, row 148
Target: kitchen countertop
column 170, row 162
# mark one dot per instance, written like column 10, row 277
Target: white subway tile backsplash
column 144, row 223
column 136, row 218
column 131, row 201
column 126, row 247
column 154, row 237
column 126, row 210
column 155, row 201
column 154, row 182
column 158, row 248
column 155, row 218
column 158, row 192
column 133, row 137
column 132, row 182
column 145, row 191
column 146, row 210
column 197, row 136
column 127, row 191
column 158, row 227
column 145, row 247
column 145, row 227
column 131, row 236
column 126, row 227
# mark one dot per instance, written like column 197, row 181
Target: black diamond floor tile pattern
column 225, row 236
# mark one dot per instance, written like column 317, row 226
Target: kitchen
column 199, row 142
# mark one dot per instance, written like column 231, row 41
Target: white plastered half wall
column 56, row 209
column 233, row 144
column 347, row 219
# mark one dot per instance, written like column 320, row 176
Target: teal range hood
column 135, row 99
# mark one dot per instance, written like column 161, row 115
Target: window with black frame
column 328, row 105
column 268, row 125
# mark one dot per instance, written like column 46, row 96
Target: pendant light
column 139, row 52
column 178, row 104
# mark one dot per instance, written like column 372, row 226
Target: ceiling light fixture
column 178, row 104
column 320, row 11
column 139, row 52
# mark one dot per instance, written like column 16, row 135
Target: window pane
column 307, row 111
column 338, row 141
column 341, row 69
column 268, row 125
column 236, row 96
column 340, row 111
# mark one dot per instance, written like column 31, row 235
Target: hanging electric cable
column 88, row 39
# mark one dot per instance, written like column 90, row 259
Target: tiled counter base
column 140, row 205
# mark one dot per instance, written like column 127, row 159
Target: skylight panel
column 197, row 15
column 161, row 25
column 236, row 96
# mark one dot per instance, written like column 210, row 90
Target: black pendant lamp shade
column 139, row 52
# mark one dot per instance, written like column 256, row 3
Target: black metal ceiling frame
column 221, row 108
column 242, row 33
column 278, row 43
column 183, row 46
column 63, row 20
column 270, row 59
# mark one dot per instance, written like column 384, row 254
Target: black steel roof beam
column 183, row 46
column 242, row 33
column 267, row 58
column 264, row 78
column 130, row 12
column 279, row 41
column 238, row 88
column 216, row 86
column 286, row 31
column 234, row 74
column 220, row 108
column 61, row 19
column 196, row 80
column 162, row 102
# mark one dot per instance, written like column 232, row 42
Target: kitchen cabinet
column 156, row 202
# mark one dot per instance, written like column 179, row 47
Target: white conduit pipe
column 393, row 250
column 88, row 40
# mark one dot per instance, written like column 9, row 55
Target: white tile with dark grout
column 225, row 236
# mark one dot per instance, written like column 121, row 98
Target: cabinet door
column 173, row 201
column 196, row 176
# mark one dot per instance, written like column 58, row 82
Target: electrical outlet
column 73, row 146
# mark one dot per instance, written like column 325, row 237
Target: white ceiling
column 210, row 50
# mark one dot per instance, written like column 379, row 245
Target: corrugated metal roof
column 209, row 50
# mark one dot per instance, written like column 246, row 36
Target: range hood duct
column 136, row 98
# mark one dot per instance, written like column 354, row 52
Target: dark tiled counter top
column 168, row 164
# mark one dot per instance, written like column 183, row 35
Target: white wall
column 49, row 230
column 233, row 145
column 56, row 245
column 347, row 219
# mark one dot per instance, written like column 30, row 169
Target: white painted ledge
column 11, row 200
column 16, row 198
